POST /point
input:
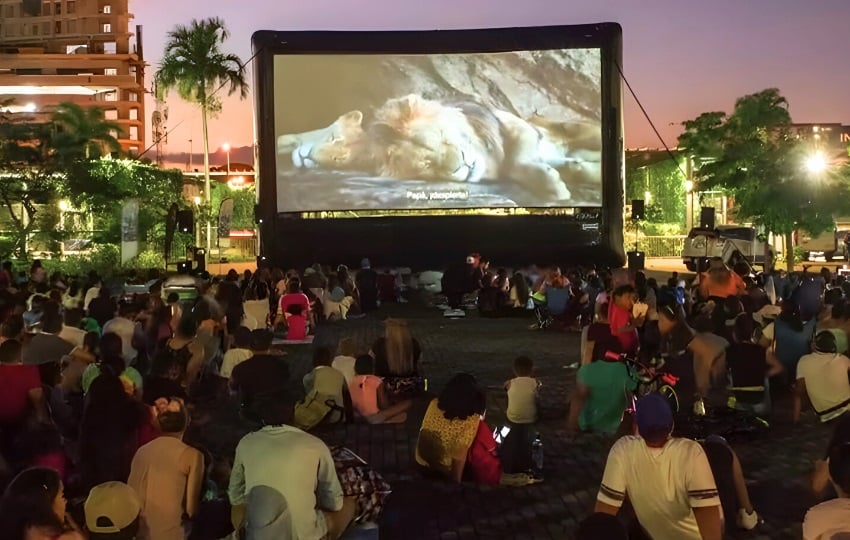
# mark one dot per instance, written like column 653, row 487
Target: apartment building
column 82, row 51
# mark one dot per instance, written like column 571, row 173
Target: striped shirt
column 663, row 484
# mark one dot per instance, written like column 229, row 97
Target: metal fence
column 658, row 246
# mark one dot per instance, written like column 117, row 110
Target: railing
column 658, row 246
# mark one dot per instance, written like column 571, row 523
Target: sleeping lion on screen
column 463, row 141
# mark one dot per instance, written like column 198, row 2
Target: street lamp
column 816, row 163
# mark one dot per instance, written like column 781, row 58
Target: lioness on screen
column 379, row 132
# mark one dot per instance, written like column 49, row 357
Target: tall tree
column 753, row 155
column 195, row 65
column 83, row 133
column 29, row 173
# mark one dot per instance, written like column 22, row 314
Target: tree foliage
column 753, row 155
column 83, row 133
column 102, row 185
column 28, row 174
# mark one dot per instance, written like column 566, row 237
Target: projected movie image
column 488, row 130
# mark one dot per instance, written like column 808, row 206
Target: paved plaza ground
column 775, row 465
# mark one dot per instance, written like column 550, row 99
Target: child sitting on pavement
column 296, row 322
column 522, row 413
column 369, row 398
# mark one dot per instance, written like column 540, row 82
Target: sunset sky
column 682, row 57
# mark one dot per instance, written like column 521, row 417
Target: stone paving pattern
column 775, row 465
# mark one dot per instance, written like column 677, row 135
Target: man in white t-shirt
column 296, row 465
column 823, row 377
column 831, row 519
column 126, row 327
column 667, row 480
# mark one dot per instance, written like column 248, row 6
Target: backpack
column 313, row 409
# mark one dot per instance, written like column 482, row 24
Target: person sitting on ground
column 624, row 324
column 112, row 512
column 75, row 364
column 720, row 282
column 518, row 294
column 397, row 356
column 71, row 331
column 256, row 306
column 601, row 395
column 668, row 480
column 240, row 352
column 34, row 507
column 112, row 359
column 709, row 362
column 328, row 383
column 369, row 397
column 831, row 519
column 21, row 394
column 789, row 337
column 731, row 485
column 367, row 284
column 294, row 296
column 455, row 442
column 186, row 351
column 823, row 376
column 346, row 355
column 167, row 475
column 296, row 323
column 114, row 425
column 750, row 368
column 515, row 452
column 599, row 339
column 263, row 373
column 293, row 464
column 126, row 327
column 522, row 392
column 47, row 347
column 165, row 379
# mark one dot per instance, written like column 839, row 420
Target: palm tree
column 194, row 64
column 82, row 133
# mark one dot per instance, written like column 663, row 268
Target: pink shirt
column 291, row 299
column 364, row 394
column 619, row 318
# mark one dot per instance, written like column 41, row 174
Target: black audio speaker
column 200, row 260
column 638, row 210
column 637, row 260
column 706, row 217
column 185, row 221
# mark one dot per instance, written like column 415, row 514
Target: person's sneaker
column 442, row 307
column 403, row 300
column 747, row 520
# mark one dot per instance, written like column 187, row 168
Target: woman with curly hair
column 454, row 437
column 33, row 508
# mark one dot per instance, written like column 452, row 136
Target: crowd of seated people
column 98, row 387
column 730, row 339
column 103, row 413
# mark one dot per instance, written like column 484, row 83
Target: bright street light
column 647, row 196
column 689, row 186
column 197, row 201
column 816, row 163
